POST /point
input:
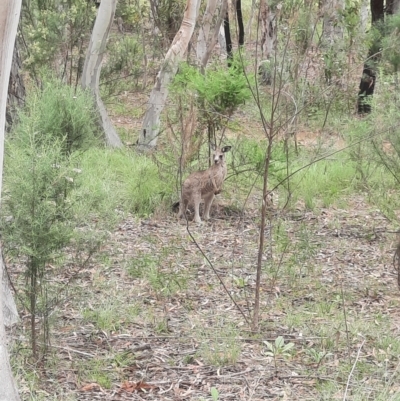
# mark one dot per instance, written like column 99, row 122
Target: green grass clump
column 123, row 180
column 110, row 315
column 323, row 183
column 96, row 371
column 219, row 346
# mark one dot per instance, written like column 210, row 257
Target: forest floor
column 150, row 320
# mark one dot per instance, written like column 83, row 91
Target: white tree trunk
column 9, row 17
column 210, row 43
column 204, row 31
column 16, row 89
column 268, row 29
column 250, row 23
column 151, row 122
column 221, row 40
column 332, row 28
column 364, row 15
column 92, row 66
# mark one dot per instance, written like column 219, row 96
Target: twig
column 345, row 318
column 352, row 370
column 72, row 350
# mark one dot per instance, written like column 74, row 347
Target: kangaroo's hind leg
column 196, row 204
column 208, row 200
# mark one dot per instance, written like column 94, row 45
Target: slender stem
column 352, row 370
column 262, row 234
column 32, row 294
column 345, row 318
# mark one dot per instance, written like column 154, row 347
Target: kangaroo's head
column 218, row 156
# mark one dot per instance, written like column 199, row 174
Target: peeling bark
column 268, row 30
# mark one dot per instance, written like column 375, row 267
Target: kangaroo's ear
column 212, row 146
column 226, row 149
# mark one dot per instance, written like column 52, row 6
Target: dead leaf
column 130, row 387
column 90, row 387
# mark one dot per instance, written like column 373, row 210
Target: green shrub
column 219, row 89
column 59, row 113
column 132, row 13
column 38, row 181
column 123, row 66
column 54, row 33
column 37, row 217
column 41, row 213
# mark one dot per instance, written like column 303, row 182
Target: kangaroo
column 204, row 185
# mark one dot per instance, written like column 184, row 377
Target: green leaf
column 214, row 393
column 287, row 347
column 279, row 342
column 269, row 346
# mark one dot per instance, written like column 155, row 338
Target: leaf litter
column 172, row 333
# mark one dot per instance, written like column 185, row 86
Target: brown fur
column 204, row 185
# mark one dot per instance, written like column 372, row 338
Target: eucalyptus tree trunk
column 9, row 17
column 204, row 31
column 364, row 15
column 214, row 13
column 16, row 89
column 92, row 66
column 250, row 22
column 268, row 30
column 377, row 10
column 158, row 96
column 332, row 28
column 221, row 37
